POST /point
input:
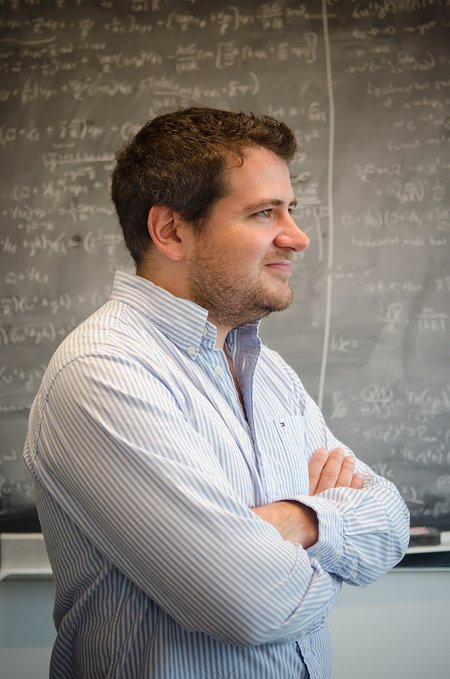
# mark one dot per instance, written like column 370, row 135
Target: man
column 199, row 515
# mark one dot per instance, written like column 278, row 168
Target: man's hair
column 178, row 160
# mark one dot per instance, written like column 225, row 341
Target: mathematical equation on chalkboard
column 365, row 86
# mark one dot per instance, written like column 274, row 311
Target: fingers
column 316, row 465
column 346, row 472
column 332, row 470
column 357, row 481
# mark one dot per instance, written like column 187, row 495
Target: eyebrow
column 270, row 202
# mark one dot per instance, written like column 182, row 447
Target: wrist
column 307, row 525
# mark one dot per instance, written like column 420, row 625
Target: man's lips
column 284, row 266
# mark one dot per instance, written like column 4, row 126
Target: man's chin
column 278, row 302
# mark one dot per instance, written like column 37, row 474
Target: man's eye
column 264, row 213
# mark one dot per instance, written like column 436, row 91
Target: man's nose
column 291, row 236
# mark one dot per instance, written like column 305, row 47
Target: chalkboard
column 366, row 86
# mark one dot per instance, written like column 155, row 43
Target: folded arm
column 353, row 521
column 297, row 522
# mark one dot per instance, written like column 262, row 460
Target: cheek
column 246, row 264
column 236, row 255
column 251, row 251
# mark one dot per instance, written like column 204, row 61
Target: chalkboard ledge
column 444, row 545
column 428, row 557
column 23, row 557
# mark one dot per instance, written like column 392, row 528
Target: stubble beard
column 231, row 303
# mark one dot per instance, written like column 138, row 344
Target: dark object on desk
column 422, row 536
column 22, row 519
column 425, row 560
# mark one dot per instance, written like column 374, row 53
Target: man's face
column 240, row 265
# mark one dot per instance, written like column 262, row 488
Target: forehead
column 260, row 171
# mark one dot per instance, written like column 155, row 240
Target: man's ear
column 165, row 227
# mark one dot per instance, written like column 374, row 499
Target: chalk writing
column 365, row 86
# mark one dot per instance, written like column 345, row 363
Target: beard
column 228, row 294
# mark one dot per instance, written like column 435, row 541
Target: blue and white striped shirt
column 145, row 470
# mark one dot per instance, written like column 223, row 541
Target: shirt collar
column 180, row 320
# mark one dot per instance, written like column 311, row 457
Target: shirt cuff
column 329, row 548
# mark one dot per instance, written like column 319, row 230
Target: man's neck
column 174, row 282
column 222, row 333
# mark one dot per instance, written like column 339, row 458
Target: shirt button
column 219, row 370
column 354, row 575
column 191, row 351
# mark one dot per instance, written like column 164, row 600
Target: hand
column 332, row 470
column 298, row 523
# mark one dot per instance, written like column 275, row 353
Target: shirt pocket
column 288, row 463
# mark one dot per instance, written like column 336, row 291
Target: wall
column 395, row 629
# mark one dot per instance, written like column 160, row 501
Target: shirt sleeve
column 363, row 533
column 121, row 458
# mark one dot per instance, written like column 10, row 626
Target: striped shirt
column 145, row 470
